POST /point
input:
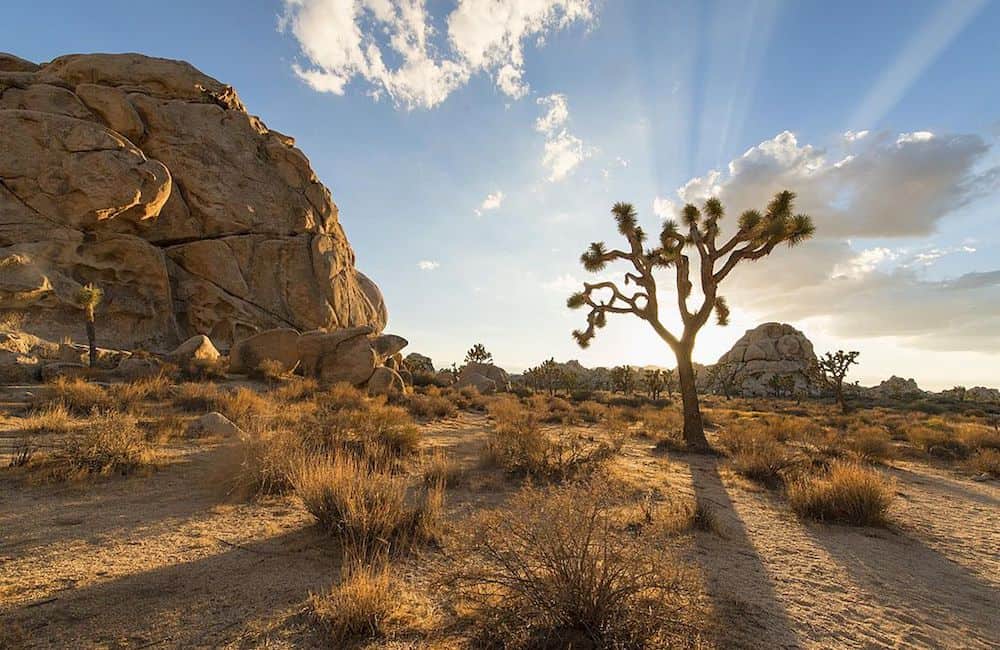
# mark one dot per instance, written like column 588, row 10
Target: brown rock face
column 151, row 180
column 769, row 350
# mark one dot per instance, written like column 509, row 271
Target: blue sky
column 883, row 116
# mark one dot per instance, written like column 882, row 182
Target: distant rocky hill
column 765, row 352
column 151, row 180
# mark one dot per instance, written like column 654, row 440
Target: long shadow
column 756, row 621
column 35, row 517
column 918, row 585
column 945, row 484
column 209, row 602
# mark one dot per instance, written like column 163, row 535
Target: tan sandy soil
column 169, row 560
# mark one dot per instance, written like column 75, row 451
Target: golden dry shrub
column 54, row 418
column 110, row 443
column 197, row 397
column 342, row 396
column 848, row 493
column 558, row 569
column 295, row 389
column 938, row 440
column 430, row 405
column 365, row 506
column 128, row 396
column 244, row 405
column 371, row 602
column 757, row 454
column 438, row 468
column 870, row 443
column 79, row 396
column 591, row 412
column 263, row 462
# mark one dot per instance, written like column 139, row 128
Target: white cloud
column 491, row 202
column 892, row 187
column 394, row 47
column 427, row 265
column 565, row 283
column 854, row 136
column 663, row 208
column 563, row 151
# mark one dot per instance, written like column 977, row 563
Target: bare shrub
column 848, row 493
column 365, row 506
column 559, row 570
column 374, row 424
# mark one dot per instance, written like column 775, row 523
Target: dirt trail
column 167, row 561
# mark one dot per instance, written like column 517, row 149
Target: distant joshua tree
column 670, row 381
column 88, row 297
column 547, row 376
column 756, row 236
column 478, row 354
column 833, row 368
column 623, row 379
column 722, row 378
column 655, row 381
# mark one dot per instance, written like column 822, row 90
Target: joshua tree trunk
column 694, row 428
column 838, row 390
column 92, row 341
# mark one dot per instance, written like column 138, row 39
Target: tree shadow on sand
column 209, row 602
column 748, row 610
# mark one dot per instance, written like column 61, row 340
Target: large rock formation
column 151, row 180
column 768, row 350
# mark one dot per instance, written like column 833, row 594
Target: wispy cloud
column 427, row 265
column 491, row 202
column 563, row 151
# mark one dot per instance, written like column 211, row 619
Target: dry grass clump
column 937, row 441
column 370, row 602
column 848, row 493
column 430, row 405
column 271, row 371
column 52, row 419
column 664, row 425
column 978, row 436
column 438, row 468
column 467, row 398
column 870, row 443
column 243, row 405
column 197, row 397
column 163, row 428
column 373, row 424
column 757, row 455
column 559, row 570
column 342, row 396
column 109, row 444
column 985, row 461
column 128, row 396
column 80, row 396
column 518, row 444
column 366, row 506
column 591, row 412
column 295, row 389
column 265, row 461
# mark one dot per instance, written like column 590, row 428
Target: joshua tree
column 833, row 368
column 622, row 379
column 655, row 381
column 757, row 234
column 722, row 378
column 548, row 376
column 87, row 298
column 670, row 381
column 478, row 354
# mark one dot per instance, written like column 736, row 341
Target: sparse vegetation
column 109, row 444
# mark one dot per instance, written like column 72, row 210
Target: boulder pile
column 767, row 351
column 151, row 180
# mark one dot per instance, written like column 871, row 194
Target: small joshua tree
column 655, row 381
column 622, row 379
column 88, row 297
column 548, row 376
column 833, row 368
column 722, row 378
column 478, row 354
column 670, row 381
column 756, row 236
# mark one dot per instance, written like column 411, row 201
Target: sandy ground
column 168, row 560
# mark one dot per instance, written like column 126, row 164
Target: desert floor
column 169, row 560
